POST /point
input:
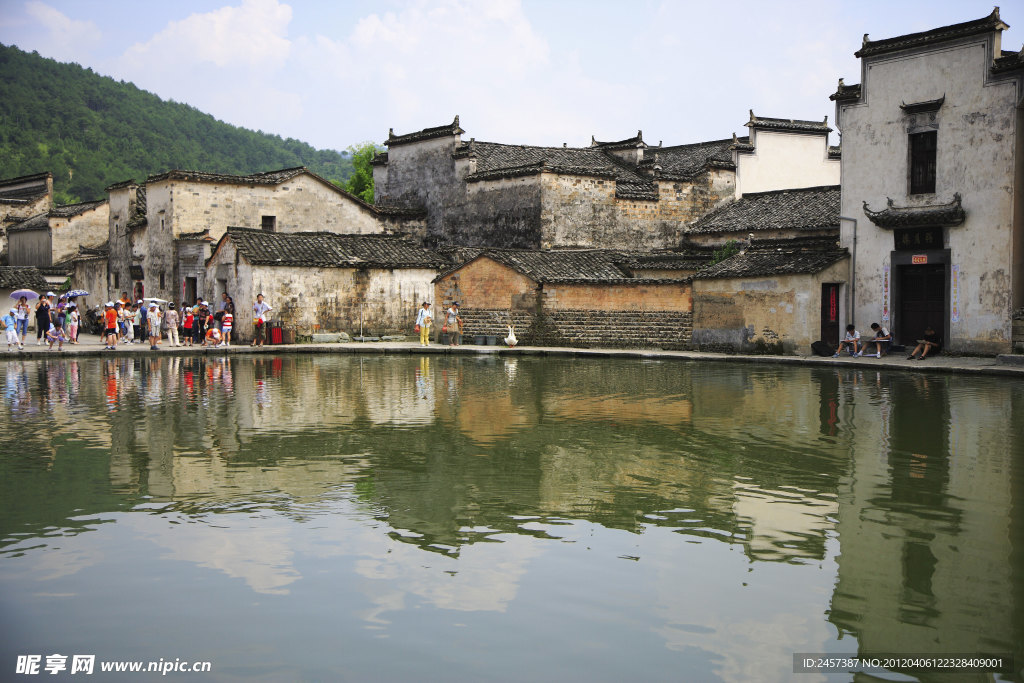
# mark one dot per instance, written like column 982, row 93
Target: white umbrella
column 154, row 300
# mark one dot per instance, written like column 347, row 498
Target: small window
column 117, row 280
column 922, row 162
column 161, row 280
column 269, row 223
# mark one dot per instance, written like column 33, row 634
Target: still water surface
column 414, row 518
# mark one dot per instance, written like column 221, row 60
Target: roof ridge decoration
column 788, row 125
column 629, row 143
column 846, row 93
column 426, row 134
column 992, row 22
column 937, row 215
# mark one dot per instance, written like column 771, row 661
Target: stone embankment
column 1008, row 366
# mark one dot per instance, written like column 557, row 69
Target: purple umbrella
column 27, row 293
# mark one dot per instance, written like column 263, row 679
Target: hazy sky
column 335, row 73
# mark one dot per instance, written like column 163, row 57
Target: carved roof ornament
column 935, row 216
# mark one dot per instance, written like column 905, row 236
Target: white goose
column 511, row 338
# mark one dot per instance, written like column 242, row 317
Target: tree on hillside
column 360, row 183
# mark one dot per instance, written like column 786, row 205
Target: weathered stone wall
column 121, row 205
column 156, row 241
column 583, row 328
column 485, row 284
column 538, row 211
column 977, row 157
column 493, row 296
column 300, row 204
column 324, row 299
column 88, row 229
column 749, row 314
column 625, row 298
column 90, row 274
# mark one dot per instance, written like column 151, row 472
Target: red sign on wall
column 919, row 259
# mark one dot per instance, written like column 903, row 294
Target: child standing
column 186, row 324
column 10, row 325
column 73, row 320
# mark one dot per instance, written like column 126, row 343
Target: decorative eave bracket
column 937, row 216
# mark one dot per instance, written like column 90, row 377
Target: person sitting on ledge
column 851, row 341
column 930, row 343
column 881, row 341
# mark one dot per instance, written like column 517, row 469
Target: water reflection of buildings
column 929, row 521
column 448, row 453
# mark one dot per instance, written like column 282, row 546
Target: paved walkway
column 91, row 346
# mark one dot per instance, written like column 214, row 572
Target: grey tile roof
column 425, row 134
column 945, row 215
column 778, row 257
column 40, row 221
column 682, row 162
column 264, row 178
column 846, row 93
column 789, row 125
column 691, row 257
column 1008, row 62
column 566, row 266
column 28, row 191
column 69, row 210
column 329, row 250
column 22, row 277
column 936, row 35
column 811, row 208
column 495, row 160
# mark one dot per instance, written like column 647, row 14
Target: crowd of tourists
column 57, row 321
column 125, row 321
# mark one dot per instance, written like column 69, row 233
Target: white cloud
column 251, row 35
column 62, row 38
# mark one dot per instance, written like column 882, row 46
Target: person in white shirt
column 260, row 309
column 423, row 322
column 851, row 342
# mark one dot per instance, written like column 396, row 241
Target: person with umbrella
column 21, row 311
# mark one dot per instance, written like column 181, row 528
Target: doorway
column 922, row 300
column 830, row 313
column 191, row 289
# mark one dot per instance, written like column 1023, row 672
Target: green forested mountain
column 91, row 131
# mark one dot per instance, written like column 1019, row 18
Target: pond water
column 505, row 519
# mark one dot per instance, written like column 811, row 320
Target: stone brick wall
column 89, row 228
column 741, row 315
column 667, row 296
column 538, row 211
column 493, row 296
column 324, row 299
column 584, row 328
column 485, row 284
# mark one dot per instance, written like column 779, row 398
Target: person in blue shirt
column 10, row 325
